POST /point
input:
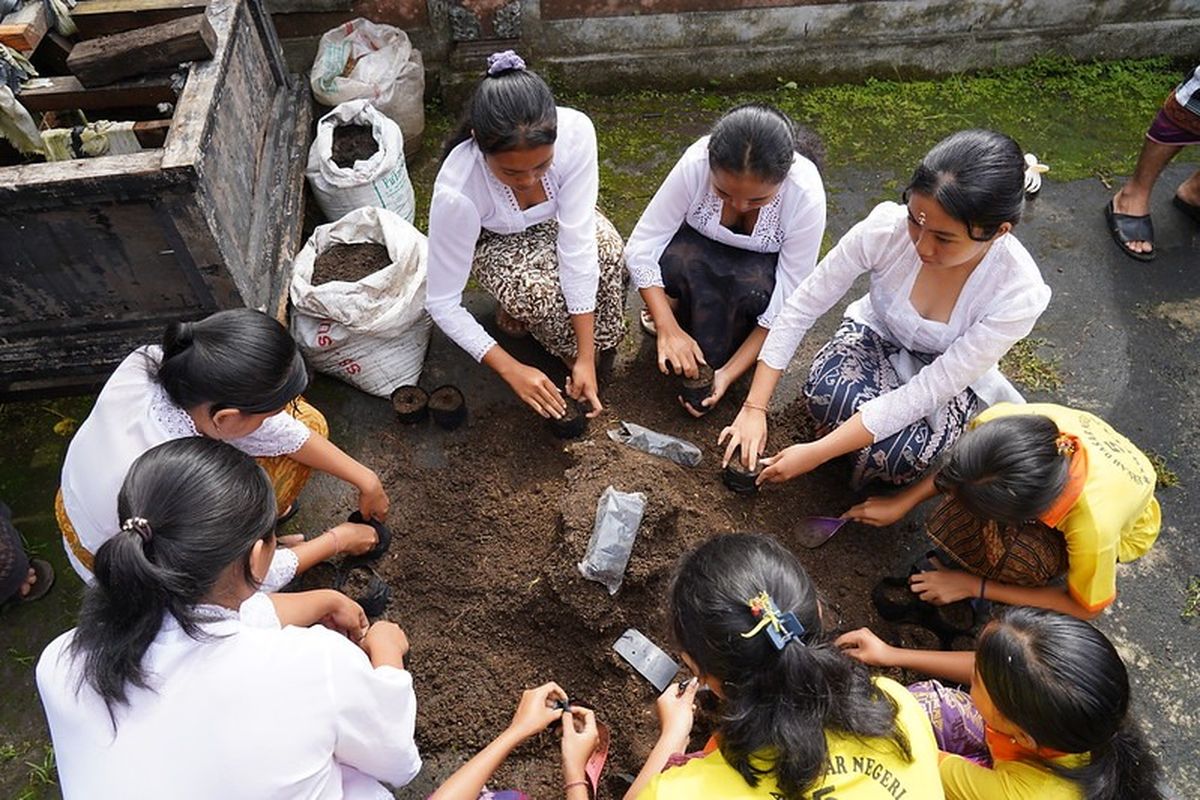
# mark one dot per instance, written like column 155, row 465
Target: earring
column 921, row 219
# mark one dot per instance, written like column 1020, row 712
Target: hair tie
column 504, row 62
column 140, row 526
column 781, row 628
column 1033, row 174
column 1065, row 444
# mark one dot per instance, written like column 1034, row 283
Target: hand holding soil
column 536, row 390
column 583, row 386
column 747, row 432
column 678, row 352
column 373, row 501
column 346, row 617
column 537, row 710
column 863, row 645
column 580, row 736
column 942, row 586
column 791, row 462
column 354, row 539
column 385, row 644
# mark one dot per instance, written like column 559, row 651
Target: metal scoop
column 647, row 658
column 812, row 532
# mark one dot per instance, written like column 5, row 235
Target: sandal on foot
column 1126, row 228
column 287, row 515
column 1191, row 210
column 648, row 323
column 44, row 581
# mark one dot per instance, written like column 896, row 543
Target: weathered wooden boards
column 24, row 28
column 96, row 18
column 66, row 92
column 97, row 62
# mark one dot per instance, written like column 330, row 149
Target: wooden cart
column 96, row 255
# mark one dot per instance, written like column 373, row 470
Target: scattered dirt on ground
column 349, row 262
column 490, row 528
column 353, row 143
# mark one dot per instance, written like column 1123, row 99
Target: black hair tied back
column 512, row 108
column 761, row 140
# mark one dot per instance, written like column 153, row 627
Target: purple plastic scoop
column 815, row 531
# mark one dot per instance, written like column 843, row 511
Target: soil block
column 738, row 478
column 382, row 532
column 349, row 262
column 574, row 423
column 448, row 407
column 353, row 143
column 363, row 585
column 411, row 404
column 695, row 390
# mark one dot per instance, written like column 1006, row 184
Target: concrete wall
column 603, row 45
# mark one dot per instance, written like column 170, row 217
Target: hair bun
column 506, row 61
column 177, row 338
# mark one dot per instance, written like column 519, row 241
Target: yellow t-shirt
column 869, row 769
column 1008, row 780
column 1116, row 517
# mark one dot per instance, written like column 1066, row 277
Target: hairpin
column 1065, row 444
column 140, row 526
column 780, row 627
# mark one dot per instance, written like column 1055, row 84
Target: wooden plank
column 66, row 92
column 50, row 58
column 24, row 28
column 152, row 133
column 100, row 61
column 96, row 18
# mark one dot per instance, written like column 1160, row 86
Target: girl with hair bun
column 1029, row 493
column 797, row 718
column 726, row 239
column 951, row 290
column 236, row 376
column 514, row 205
column 185, row 681
column 1047, row 717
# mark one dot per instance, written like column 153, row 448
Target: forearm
column 304, row 609
column 314, row 551
column 745, row 356
column 655, row 763
column 499, row 361
column 469, row 780
column 851, row 435
column 324, row 456
column 584, row 326
column 763, row 385
column 1055, row 598
column 953, row 665
column 659, row 306
column 919, row 492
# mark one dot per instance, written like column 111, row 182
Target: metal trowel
column 815, row 531
column 646, row 658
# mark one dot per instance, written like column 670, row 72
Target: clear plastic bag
column 618, row 516
column 680, row 451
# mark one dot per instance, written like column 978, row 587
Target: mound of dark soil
column 349, row 262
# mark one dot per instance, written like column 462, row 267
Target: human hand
column 677, row 351
column 353, row 538
column 536, row 710
column 879, row 511
column 385, row 639
column 863, row 645
column 536, row 390
column 583, row 386
column 372, row 499
column 345, row 616
column 748, row 431
column 580, row 737
column 720, row 384
column 941, row 586
column 791, row 462
column 676, row 711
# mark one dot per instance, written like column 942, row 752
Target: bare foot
column 510, row 324
column 1135, row 205
column 27, row 586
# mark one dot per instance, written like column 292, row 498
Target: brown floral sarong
column 1032, row 554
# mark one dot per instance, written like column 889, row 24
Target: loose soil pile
column 484, row 578
column 353, row 143
column 349, row 262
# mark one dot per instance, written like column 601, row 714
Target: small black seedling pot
column 738, row 478
column 574, row 423
column 411, row 404
column 381, row 531
column 695, row 391
column 448, row 407
column 374, row 596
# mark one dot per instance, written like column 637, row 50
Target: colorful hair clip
column 1065, row 444
column 780, row 627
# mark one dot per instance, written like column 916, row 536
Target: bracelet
column 982, row 588
column 573, row 784
column 337, row 546
column 748, row 404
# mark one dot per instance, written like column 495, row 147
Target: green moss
column 1023, row 364
column 1191, row 602
column 1165, row 477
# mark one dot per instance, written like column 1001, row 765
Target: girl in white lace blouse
column 951, row 290
column 734, row 228
column 514, row 204
column 236, row 376
column 183, row 680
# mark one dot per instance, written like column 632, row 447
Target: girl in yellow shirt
column 1047, row 717
column 799, row 720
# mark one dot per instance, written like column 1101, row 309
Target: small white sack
column 382, row 180
column 372, row 333
column 361, row 59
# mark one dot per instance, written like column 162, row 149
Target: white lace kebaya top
column 792, row 224
column 254, row 710
column 998, row 306
column 467, row 198
column 133, row 414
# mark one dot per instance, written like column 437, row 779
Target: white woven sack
column 382, row 180
column 372, row 333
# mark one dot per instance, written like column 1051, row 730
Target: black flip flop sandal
column 383, row 537
column 1192, row 211
column 1126, row 228
column 286, row 516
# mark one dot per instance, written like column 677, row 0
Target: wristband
column 982, row 587
column 573, row 784
column 748, row 404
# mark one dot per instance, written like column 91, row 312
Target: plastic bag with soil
column 671, row 448
column 618, row 517
column 356, row 160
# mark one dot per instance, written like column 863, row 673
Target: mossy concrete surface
column 1105, row 344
